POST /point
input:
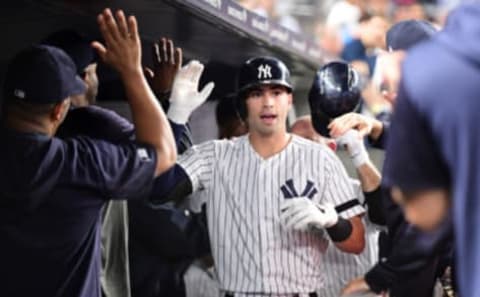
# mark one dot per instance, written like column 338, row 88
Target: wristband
column 341, row 230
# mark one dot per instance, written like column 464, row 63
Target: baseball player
column 411, row 259
column 343, row 267
column 437, row 108
column 52, row 190
column 200, row 278
column 84, row 118
column 336, row 90
column 271, row 195
column 124, row 257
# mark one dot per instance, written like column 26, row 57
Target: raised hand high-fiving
column 185, row 96
column 167, row 61
column 122, row 48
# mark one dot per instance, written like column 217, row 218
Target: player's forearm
column 380, row 278
column 151, row 124
column 369, row 176
column 376, row 210
column 172, row 185
column 377, row 130
column 183, row 137
column 379, row 135
column 355, row 242
column 409, row 252
column 370, row 180
column 412, row 253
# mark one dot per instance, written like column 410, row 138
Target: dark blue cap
column 406, row 34
column 76, row 45
column 42, row 74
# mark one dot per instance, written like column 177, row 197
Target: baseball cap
column 76, row 45
column 42, row 74
column 405, row 34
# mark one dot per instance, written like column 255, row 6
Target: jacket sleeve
column 381, row 142
column 406, row 250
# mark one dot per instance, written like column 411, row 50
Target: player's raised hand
column 122, row 49
column 167, row 60
column 365, row 125
column 185, row 96
column 355, row 145
column 302, row 214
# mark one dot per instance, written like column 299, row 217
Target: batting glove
column 355, row 147
column 185, row 97
column 302, row 214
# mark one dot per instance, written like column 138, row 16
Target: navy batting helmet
column 260, row 71
column 335, row 91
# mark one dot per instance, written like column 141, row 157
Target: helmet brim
column 277, row 82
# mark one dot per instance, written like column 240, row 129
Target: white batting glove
column 185, row 97
column 302, row 214
column 355, row 147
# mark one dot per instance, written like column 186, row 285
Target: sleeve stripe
column 347, row 205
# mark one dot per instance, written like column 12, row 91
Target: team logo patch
column 143, row 155
column 289, row 191
column 264, row 71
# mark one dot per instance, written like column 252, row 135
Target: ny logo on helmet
column 264, row 71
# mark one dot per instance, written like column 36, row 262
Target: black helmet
column 260, row 71
column 335, row 91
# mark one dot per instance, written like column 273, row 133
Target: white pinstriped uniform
column 253, row 252
column 343, row 267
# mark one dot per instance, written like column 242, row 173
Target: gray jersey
column 342, row 267
column 252, row 250
column 201, row 282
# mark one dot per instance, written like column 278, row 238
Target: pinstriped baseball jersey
column 343, row 267
column 252, row 250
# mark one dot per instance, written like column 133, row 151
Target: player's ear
column 59, row 110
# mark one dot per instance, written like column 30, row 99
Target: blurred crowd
column 354, row 30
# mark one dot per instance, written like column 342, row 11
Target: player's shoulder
column 84, row 147
column 232, row 143
column 222, row 145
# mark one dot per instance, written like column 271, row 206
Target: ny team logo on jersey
column 264, row 71
column 289, row 191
